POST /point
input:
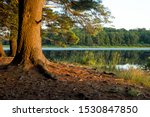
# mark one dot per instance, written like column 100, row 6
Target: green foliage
column 59, row 16
column 9, row 17
column 116, row 58
column 58, row 29
column 144, row 36
column 84, row 4
column 88, row 58
column 88, row 14
column 147, row 66
column 71, row 38
column 114, row 37
column 9, row 14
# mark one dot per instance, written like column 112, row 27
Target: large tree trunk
column 2, row 52
column 29, row 49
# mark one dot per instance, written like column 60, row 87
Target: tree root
column 39, row 66
column 45, row 72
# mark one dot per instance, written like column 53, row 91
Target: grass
column 137, row 76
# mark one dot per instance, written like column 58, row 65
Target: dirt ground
column 74, row 83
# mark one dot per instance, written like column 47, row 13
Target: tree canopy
column 9, row 14
column 60, row 15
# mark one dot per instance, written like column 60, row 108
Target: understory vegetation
column 135, row 75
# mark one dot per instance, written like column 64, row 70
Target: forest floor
column 74, row 83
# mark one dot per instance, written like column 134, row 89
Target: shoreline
column 92, row 48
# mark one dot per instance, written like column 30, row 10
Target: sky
column 129, row 14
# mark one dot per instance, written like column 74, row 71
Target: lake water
column 120, row 58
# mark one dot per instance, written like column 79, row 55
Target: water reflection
column 127, row 66
column 102, row 58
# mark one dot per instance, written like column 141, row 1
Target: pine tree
column 29, row 49
column 9, row 19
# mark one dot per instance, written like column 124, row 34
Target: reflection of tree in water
column 100, row 58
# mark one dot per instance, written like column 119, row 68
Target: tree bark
column 13, row 45
column 2, row 52
column 29, row 49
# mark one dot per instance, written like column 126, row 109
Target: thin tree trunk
column 29, row 49
column 13, row 45
column 2, row 52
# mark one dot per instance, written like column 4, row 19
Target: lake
column 120, row 58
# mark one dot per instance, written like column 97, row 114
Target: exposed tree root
column 45, row 72
column 40, row 67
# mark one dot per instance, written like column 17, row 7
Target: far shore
column 6, row 47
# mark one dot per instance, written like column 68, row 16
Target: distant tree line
column 114, row 37
column 103, row 37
